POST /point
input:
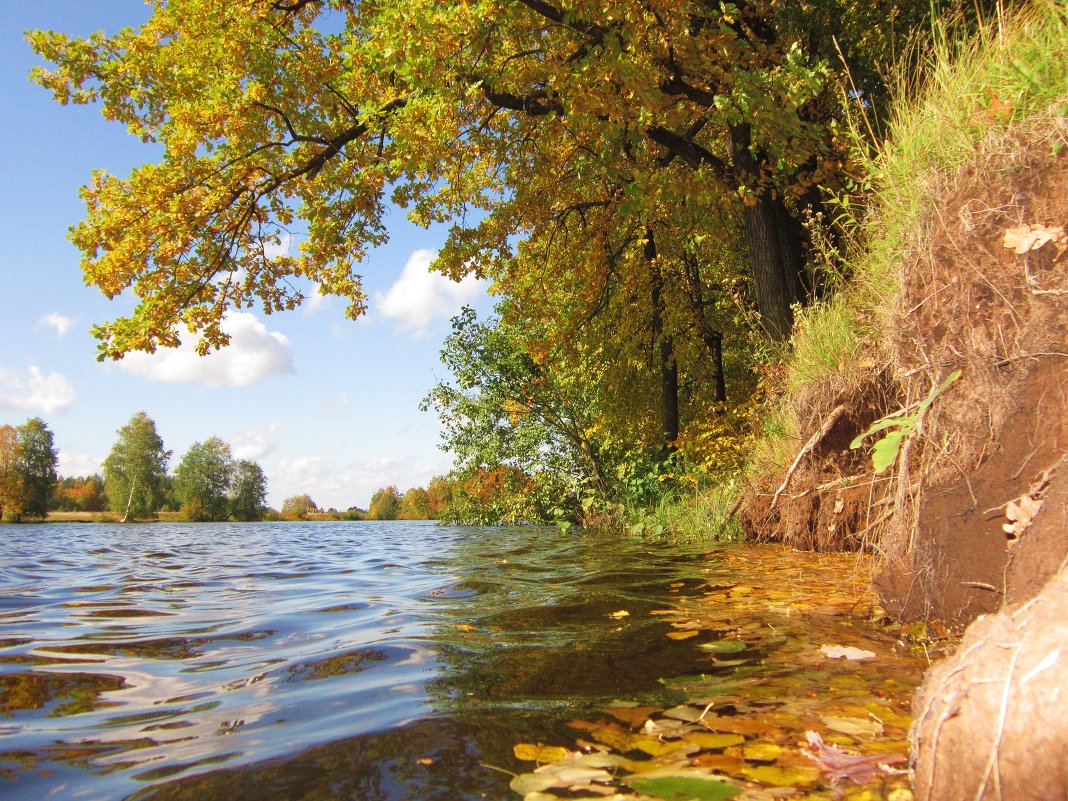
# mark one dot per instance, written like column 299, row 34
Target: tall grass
column 1012, row 70
column 692, row 513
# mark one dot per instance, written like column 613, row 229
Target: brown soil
column 998, row 434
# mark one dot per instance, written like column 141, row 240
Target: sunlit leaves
column 276, row 120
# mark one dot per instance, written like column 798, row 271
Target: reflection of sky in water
column 236, row 644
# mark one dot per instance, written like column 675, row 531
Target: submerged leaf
column 846, row 652
column 782, row 777
column 682, row 635
column 708, row 739
column 762, row 752
column 723, row 646
column 840, row 766
column 852, row 726
column 529, row 752
column 685, row 788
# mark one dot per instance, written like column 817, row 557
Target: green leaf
column 685, row 788
column 896, row 419
column 884, row 452
column 938, row 391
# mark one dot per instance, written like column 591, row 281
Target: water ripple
column 142, row 656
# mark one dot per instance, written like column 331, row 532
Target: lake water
column 309, row 661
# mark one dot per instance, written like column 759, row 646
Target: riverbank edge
column 946, row 349
column 924, row 412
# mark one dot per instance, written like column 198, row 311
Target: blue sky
column 325, row 405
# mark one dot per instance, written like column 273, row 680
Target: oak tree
column 321, row 111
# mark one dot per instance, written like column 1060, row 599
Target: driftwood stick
column 813, row 441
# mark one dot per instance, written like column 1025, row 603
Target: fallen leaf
column 529, row 752
column 620, row 614
column 1025, row 238
column 632, row 716
column 685, row 788
column 1020, row 514
column 721, row 762
column 682, row 635
column 690, row 714
column 713, row 740
column 723, row 646
column 846, row 652
column 782, row 777
column 852, row 726
column 840, row 766
column 761, row 752
column 999, row 109
column 527, row 783
column 667, row 729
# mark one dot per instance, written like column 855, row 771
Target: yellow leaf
column 852, row 726
column 620, row 614
column 762, row 752
column 529, row 752
column 708, row 739
column 782, row 777
column 682, row 635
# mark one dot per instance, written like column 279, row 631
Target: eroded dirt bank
column 972, row 512
column 969, row 522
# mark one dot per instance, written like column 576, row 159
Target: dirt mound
column 989, row 721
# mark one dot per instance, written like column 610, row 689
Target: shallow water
column 316, row 660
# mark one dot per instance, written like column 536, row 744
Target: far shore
column 162, row 517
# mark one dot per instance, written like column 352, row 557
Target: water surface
column 315, row 660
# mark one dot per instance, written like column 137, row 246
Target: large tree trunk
column 773, row 238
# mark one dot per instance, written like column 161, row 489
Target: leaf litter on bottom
column 749, row 731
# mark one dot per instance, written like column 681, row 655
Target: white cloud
column 281, row 248
column 34, row 392
column 341, row 485
column 255, row 443
column 316, row 302
column 61, row 323
column 419, row 297
column 253, row 352
column 77, row 464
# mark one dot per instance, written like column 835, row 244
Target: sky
column 326, row 406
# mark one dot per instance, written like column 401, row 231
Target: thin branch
column 813, row 441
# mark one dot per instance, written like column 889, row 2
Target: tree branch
column 689, row 151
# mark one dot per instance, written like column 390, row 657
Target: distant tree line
column 208, row 483
column 482, row 496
